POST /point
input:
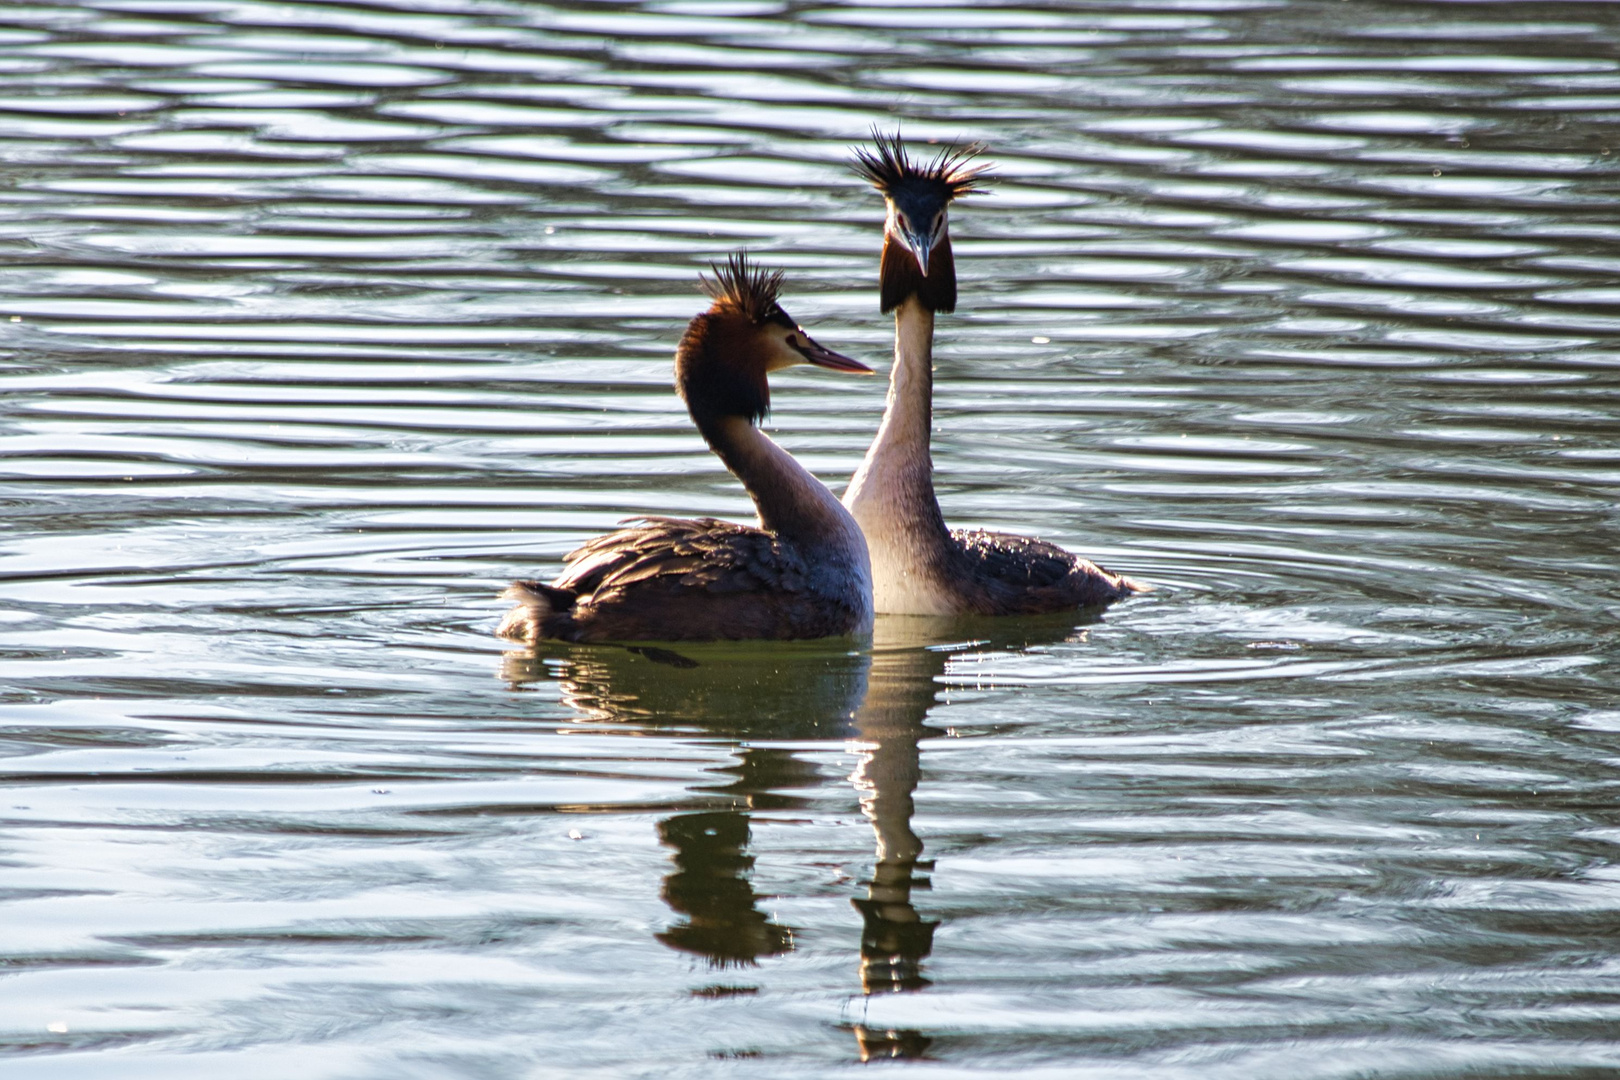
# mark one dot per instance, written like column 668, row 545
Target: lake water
column 321, row 321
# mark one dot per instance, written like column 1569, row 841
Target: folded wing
column 1019, row 575
column 679, row 579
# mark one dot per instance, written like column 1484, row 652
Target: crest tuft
column 744, row 288
column 888, row 167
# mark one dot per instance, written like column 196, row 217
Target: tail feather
column 1103, row 587
column 541, row 612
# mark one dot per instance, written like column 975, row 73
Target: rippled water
column 326, row 319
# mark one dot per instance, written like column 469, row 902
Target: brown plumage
column 1020, row 575
column 917, row 194
column 899, row 277
column 803, row 573
column 678, row 579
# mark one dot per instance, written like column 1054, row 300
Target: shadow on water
column 877, row 697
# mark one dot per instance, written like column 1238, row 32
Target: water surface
column 320, row 321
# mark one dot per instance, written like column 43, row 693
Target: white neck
column 791, row 502
column 898, row 460
column 892, row 494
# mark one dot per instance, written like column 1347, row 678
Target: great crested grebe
column 920, row 567
column 803, row 573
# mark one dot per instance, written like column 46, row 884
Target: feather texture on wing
column 680, row 579
column 1020, row 575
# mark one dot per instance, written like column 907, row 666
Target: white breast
column 902, row 583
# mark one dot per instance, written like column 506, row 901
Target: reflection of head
column 895, row 940
column 710, row 888
column 710, row 883
column 901, row 1044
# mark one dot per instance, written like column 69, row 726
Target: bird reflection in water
column 710, row 884
column 895, row 939
column 877, row 699
column 736, row 691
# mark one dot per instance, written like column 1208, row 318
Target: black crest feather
column 888, row 167
column 744, row 288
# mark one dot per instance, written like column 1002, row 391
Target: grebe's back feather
column 682, row 579
column 1020, row 575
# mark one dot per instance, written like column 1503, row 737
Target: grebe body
column 803, row 572
column 919, row 565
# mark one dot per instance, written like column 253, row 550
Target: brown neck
column 900, row 278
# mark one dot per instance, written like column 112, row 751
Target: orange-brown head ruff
column 724, row 357
column 917, row 258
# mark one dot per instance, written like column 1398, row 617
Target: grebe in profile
column 920, row 567
column 803, row 573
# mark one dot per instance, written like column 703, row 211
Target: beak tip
column 821, row 356
column 920, row 250
column 853, row 367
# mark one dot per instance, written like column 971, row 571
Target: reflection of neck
column 895, row 484
column 791, row 503
column 888, row 771
column 895, row 938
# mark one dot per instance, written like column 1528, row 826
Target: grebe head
column 918, row 195
column 726, row 352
